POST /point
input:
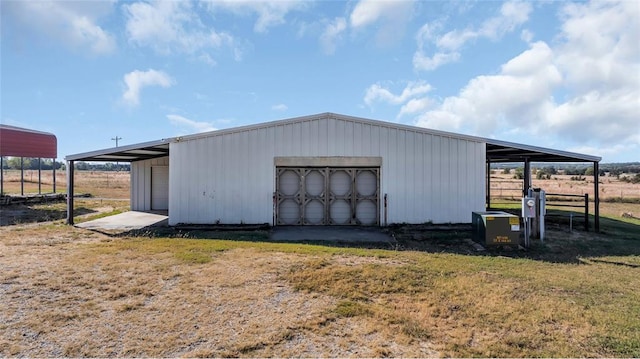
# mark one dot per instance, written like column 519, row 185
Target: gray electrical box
column 528, row 207
column 495, row 228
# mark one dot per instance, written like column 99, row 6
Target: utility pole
column 116, row 139
column 117, row 164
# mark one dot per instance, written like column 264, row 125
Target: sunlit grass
column 472, row 306
column 486, row 306
column 463, row 305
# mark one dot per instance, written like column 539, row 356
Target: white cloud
column 190, row 125
column 526, row 35
column 385, row 20
column 584, row 90
column 73, row 23
column 391, row 18
column 512, row 14
column 367, row 12
column 279, row 107
column 378, row 93
column 332, row 33
column 424, row 62
column 415, row 106
column 207, row 59
column 270, row 13
column 601, row 45
column 608, row 117
column 137, row 80
column 518, row 93
column 173, row 27
column 626, row 150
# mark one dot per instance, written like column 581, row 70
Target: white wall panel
column 141, row 182
column 159, row 187
column 229, row 176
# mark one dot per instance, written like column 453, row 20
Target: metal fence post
column 586, row 212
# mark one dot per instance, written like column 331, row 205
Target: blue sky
column 556, row 74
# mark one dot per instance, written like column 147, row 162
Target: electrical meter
column 528, row 207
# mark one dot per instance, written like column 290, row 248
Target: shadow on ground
column 617, row 239
column 22, row 214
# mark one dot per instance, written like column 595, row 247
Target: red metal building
column 22, row 142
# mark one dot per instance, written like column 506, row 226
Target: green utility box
column 495, row 228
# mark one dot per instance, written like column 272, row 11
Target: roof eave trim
column 89, row 156
column 577, row 157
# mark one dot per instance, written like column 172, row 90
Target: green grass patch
column 348, row 308
column 193, row 257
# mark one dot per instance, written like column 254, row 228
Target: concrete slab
column 342, row 234
column 127, row 221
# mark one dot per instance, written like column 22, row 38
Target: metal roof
column 23, row 142
column 129, row 153
column 497, row 151
column 502, row 151
column 329, row 115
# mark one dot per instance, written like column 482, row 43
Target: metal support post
column 586, row 212
column 21, row 176
column 596, row 198
column 70, row 174
column 39, row 175
column 527, row 177
column 54, row 175
column 542, row 209
column 488, row 201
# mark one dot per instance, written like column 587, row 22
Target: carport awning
column 131, row 153
column 501, row 151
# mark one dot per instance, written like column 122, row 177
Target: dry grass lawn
column 73, row 292
column 70, row 292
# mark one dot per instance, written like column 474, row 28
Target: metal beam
column 39, row 175
column 527, row 177
column 488, row 201
column 21, row 176
column 596, row 196
column 54, row 174
column 70, row 174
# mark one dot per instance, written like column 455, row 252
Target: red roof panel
column 22, row 142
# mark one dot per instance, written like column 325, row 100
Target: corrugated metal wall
column 22, row 142
column 229, row 177
column 141, row 182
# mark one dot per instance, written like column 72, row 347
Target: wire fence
column 507, row 193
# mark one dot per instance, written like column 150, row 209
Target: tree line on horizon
column 13, row 163
column 614, row 169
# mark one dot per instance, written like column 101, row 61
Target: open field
column 102, row 184
column 505, row 186
column 72, row 292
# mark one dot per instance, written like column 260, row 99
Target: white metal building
column 325, row 169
